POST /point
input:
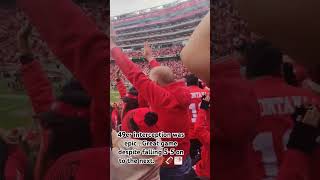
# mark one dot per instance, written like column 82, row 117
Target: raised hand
column 23, row 38
column 147, row 53
column 205, row 103
column 118, row 75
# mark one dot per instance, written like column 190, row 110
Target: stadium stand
column 165, row 27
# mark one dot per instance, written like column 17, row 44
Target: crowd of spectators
column 229, row 30
column 178, row 69
column 10, row 23
column 162, row 52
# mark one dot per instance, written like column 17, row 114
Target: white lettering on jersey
column 197, row 94
column 280, row 105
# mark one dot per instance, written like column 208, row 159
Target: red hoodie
column 142, row 101
column 16, row 164
column 170, row 102
column 202, row 132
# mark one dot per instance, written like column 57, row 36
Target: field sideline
column 16, row 111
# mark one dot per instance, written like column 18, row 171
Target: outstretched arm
column 81, row 47
column 34, row 79
column 154, row 94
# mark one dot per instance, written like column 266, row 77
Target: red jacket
column 81, row 47
column 202, row 132
column 170, row 102
column 16, row 164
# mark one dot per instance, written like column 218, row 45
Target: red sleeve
column 81, row 47
column 154, row 63
column 142, row 101
column 201, row 128
column 37, row 86
column 121, row 88
column 295, row 166
column 154, row 94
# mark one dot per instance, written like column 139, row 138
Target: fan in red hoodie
column 169, row 99
column 196, row 94
column 277, row 102
column 202, row 132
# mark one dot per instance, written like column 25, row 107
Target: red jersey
column 277, row 102
column 202, row 131
column 196, row 95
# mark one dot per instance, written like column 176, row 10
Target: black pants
column 195, row 150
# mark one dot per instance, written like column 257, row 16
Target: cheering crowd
column 178, row 69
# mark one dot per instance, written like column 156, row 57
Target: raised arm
column 147, row 54
column 154, row 94
column 74, row 39
column 120, row 86
column 81, row 47
column 34, row 79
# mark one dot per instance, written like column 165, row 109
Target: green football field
column 15, row 109
column 114, row 96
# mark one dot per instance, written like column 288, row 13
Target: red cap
column 138, row 116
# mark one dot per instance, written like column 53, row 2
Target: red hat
column 144, row 119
